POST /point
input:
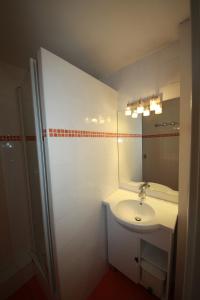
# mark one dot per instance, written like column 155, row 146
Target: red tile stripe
column 30, row 138
column 129, row 135
column 10, row 138
column 160, row 135
column 17, row 138
column 84, row 133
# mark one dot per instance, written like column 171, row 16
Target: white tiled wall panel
column 82, row 171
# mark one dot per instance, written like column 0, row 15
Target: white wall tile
column 76, row 97
column 82, row 171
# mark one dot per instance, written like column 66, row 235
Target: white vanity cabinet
column 123, row 248
column 144, row 258
column 142, row 249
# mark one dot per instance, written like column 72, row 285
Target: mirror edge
column 164, row 193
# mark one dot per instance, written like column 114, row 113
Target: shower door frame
column 43, row 175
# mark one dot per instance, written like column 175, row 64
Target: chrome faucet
column 142, row 191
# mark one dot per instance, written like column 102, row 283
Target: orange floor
column 114, row 286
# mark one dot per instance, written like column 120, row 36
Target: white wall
column 14, row 216
column 82, row 171
column 160, row 70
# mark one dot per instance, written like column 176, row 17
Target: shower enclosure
column 33, row 136
column 66, row 215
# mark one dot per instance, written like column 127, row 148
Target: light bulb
column 153, row 104
column 134, row 114
column 158, row 109
column 128, row 111
column 146, row 112
column 140, row 108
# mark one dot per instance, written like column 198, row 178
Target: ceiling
column 98, row 36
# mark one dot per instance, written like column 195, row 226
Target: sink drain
column 138, row 219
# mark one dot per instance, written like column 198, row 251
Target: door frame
column 191, row 288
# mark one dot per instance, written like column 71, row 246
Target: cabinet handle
column 136, row 259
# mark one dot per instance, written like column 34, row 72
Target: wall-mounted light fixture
column 140, row 107
column 134, row 114
column 128, row 111
column 158, row 109
column 146, row 112
column 144, row 106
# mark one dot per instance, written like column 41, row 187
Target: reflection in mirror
column 149, row 146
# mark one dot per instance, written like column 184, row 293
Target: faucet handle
column 144, row 185
column 147, row 184
column 141, row 186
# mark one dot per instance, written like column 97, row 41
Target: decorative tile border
column 66, row 133
column 84, row 133
column 18, row 138
column 10, row 138
column 30, row 138
column 160, row 135
column 129, row 135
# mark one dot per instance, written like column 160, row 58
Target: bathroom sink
column 135, row 216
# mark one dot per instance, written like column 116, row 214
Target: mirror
column 148, row 147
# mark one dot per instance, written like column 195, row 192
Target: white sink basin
column 132, row 214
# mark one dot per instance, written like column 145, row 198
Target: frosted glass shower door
column 36, row 173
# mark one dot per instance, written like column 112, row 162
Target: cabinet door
column 123, row 248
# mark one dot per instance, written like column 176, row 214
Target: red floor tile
column 30, row 291
column 21, row 294
column 115, row 286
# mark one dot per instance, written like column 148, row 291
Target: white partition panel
column 79, row 115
